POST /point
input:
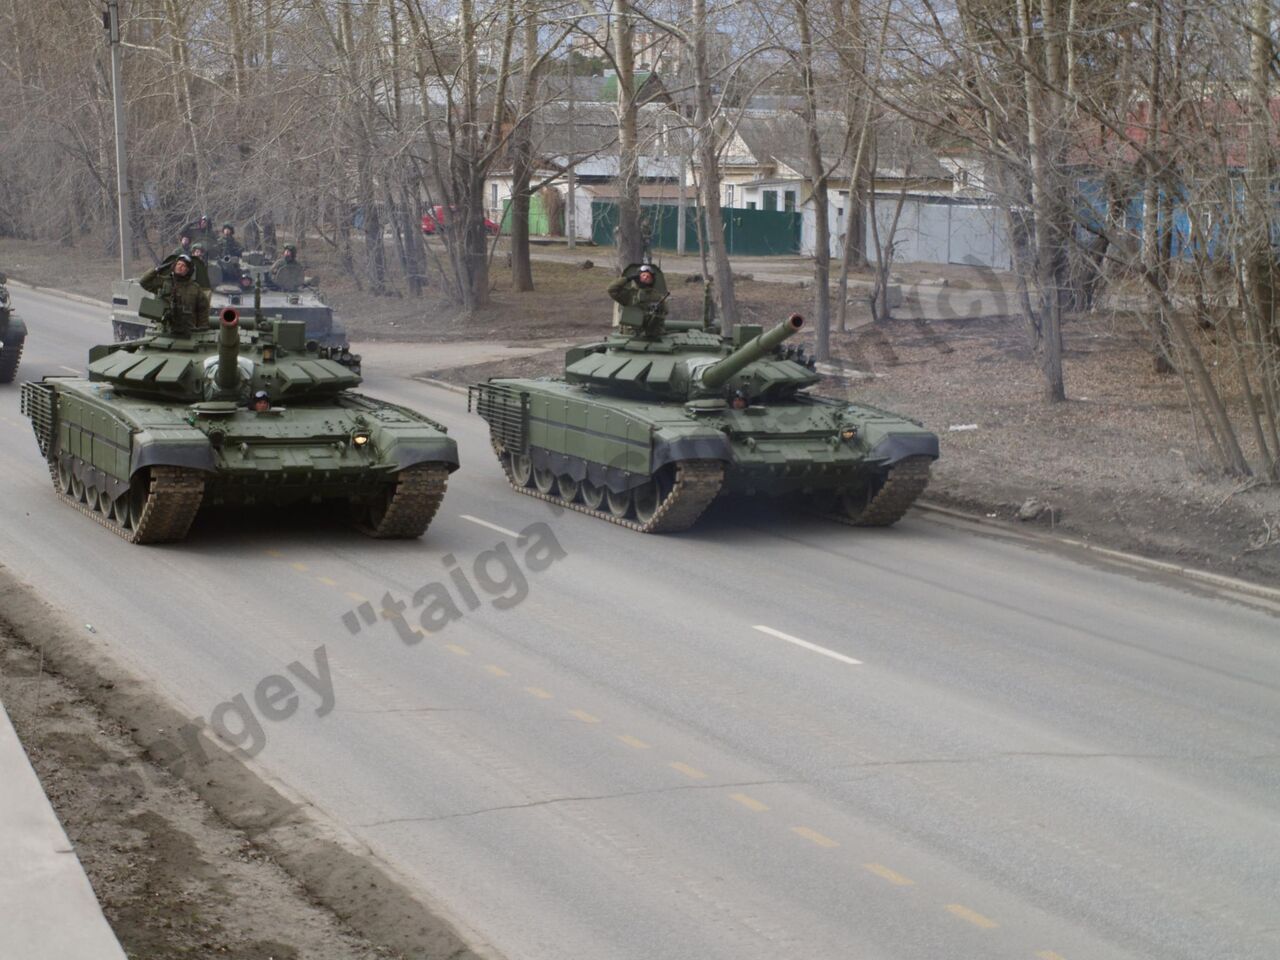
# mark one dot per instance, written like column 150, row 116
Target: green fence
column 539, row 223
column 759, row 233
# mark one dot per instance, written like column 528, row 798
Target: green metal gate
column 747, row 232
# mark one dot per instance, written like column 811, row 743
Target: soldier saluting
column 186, row 301
column 287, row 273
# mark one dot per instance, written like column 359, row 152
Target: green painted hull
column 780, row 449
column 300, row 453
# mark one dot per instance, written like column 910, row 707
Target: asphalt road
column 976, row 750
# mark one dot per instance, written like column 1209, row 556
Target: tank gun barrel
column 228, row 378
column 719, row 373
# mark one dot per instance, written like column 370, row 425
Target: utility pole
column 571, row 213
column 111, row 23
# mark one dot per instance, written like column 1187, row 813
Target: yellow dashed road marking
column 584, row 716
column 273, row 553
column 977, row 919
column 327, row 581
column 897, row 879
column 813, row 836
column 460, row 651
column 692, row 773
column 751, row 803
column 1050, row 955
column 300, row 567
column 538, row 692
column 496, row 670
column 357, row 597
column 631, row 741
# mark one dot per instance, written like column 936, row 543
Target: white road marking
column 68, row 369
column 807, row 645
column 492, row 526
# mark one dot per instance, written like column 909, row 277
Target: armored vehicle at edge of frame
column 13, row 335
column 235, row 283
column 245, row 413
column 646, row 428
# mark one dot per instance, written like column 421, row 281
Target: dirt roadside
column 190, row 859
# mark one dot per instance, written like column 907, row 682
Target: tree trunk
column 630, row 240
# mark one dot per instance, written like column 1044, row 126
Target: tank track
column 174, row 496
column 10, row 357
column 419, row 490
column 697, row 484
column 907, row 479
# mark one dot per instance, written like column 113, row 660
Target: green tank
column 648, row 427
column 13, row 335
column 247, row 412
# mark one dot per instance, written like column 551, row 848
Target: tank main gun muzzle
column 718, row 374
column 228, row 378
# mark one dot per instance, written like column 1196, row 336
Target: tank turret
column 718, row 374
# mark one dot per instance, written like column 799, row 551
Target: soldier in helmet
column 201, row 229
column 642, row 293
column 228, row 246
column 184, row 243
column 205, row 272
column 287, row 273
column 186, row 301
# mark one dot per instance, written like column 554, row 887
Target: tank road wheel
column 521, row 469
column 64, row 476
column 544, row 479
column 77, row 489
column 885, row 497
column 592, row 495
column 567, row 488
column 404, row 508
column 93, row 499
column 120, row 511
column 619, row 504
column 649, row 495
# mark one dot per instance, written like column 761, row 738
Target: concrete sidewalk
column 48, row 911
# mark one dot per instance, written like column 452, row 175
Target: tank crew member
column 642, row 293
column 186, row 302
column 184, row 243
column 228, row 245
column 202, row 229
column 205, row 271
column 261, row 402
column 287, row 273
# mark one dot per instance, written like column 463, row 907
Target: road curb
column 55, row 292
column 337, row 869
column 1195, row 574
column 441, row 384
column 49, row 906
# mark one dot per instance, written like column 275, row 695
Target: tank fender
column 407, row 453
column 196, row 453
column 711, row 447
column 898, row 446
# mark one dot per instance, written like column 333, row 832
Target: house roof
column 780, row 138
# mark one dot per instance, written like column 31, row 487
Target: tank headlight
column 849, row 434
column 360, row 439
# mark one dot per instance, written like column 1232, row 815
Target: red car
column 439, row 218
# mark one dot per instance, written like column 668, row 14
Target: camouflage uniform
column 186, row 301
column 228, row 246
column 649, row 302
column 287, row 274
column 199, row 233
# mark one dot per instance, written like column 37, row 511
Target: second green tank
column 646, row 428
